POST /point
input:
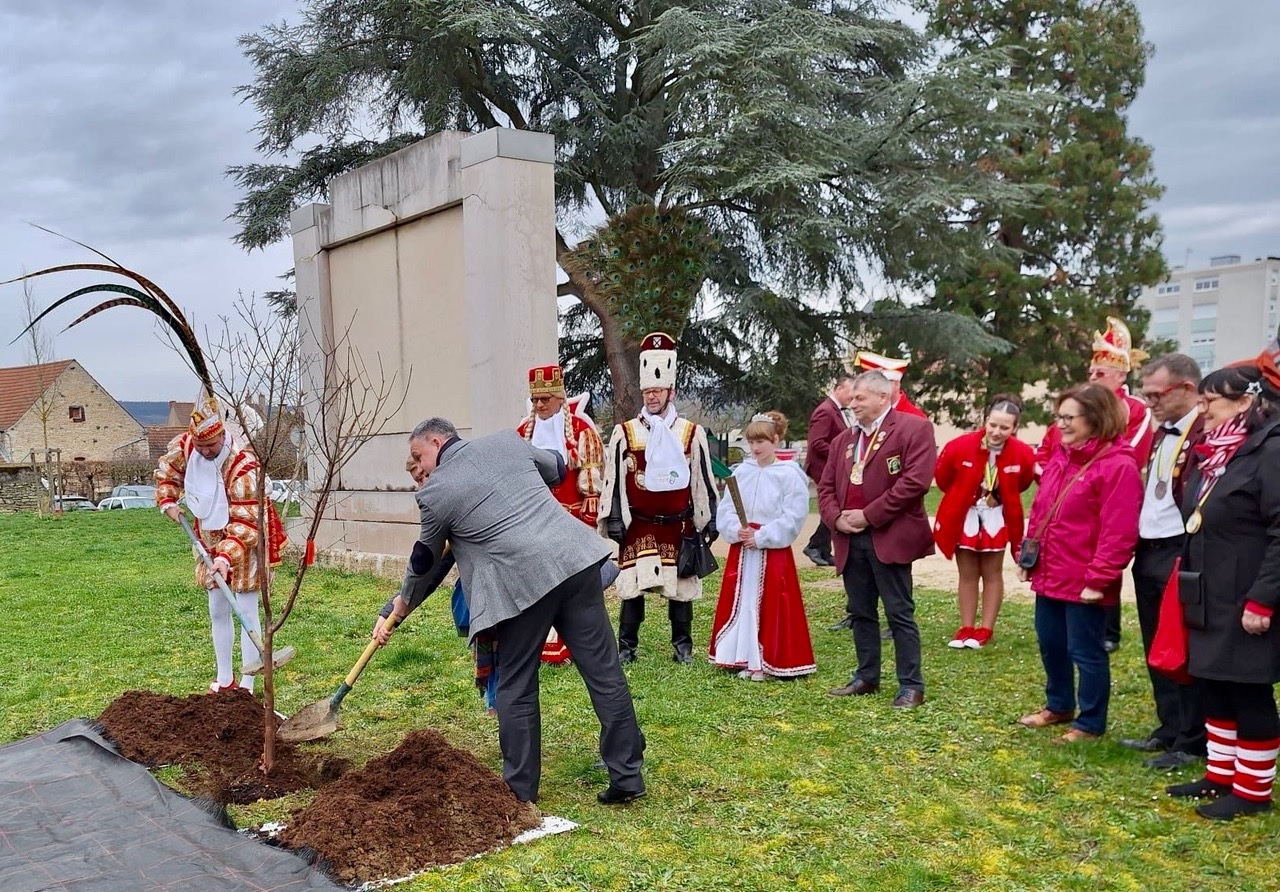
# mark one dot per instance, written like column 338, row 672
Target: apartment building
column 1219, row 313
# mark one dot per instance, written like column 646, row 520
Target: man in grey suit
column 526, row 565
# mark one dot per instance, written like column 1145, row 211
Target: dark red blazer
column 894, row 482
column 825, row 424
column 959, row 473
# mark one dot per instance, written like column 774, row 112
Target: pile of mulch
column 423, row 804
column 217, row 739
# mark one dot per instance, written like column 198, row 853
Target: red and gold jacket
column 238, row 543
column 584, row 458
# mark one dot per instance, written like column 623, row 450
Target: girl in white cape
column 760, row 626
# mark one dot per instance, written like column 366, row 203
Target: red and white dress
column 760, row 623
column 984, row 527
column 968, row 473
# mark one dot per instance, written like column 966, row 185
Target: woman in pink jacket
column 1085, row 519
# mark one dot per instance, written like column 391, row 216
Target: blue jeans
column 1070, row 636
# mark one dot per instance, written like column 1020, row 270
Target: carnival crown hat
column 206, row 421
column 866, row 361
column 1115, row 348
column 657, row 361
column 546, row 380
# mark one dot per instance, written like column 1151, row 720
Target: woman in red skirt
column 760, row 626
column 982, row 476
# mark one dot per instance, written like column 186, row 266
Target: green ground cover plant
column 752, row 786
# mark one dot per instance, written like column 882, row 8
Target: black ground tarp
column 74, row 815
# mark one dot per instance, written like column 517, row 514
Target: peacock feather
column 648, row 265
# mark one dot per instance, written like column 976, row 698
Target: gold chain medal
column 1194, row 522
column 1162, row 488
column 855, row 476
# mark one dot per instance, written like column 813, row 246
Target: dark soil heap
column 216, row 737
column 425, row 803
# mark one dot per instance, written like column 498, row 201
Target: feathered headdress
column 206, row 420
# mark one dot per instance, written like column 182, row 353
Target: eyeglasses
column 539, row 399
column 1152, row 398
column 1065, row 419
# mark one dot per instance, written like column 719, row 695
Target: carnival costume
column 658, row 487
column 760, row 625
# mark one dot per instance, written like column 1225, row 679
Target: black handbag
column 695, row 557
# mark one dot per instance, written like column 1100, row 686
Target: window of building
column 75, row 413
column 1210, row 284
column 1169, row 288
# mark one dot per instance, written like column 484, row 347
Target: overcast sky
column 118, row 119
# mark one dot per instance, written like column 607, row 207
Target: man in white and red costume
column 658, row 487
column 1113, row 358
column 559, row 424
column 219, row 479
column 866, row 361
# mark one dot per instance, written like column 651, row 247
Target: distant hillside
column 147, row 412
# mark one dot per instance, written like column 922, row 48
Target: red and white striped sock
column 1255, row 769
column 1221, row 751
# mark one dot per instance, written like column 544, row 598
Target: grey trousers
column 576, row 608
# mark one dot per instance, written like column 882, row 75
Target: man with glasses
column 658, row 488
column 1114, row 357
column 561, row 425
column 1169, row 386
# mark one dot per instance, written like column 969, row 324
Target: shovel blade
column 320, row 719
column 279, row 657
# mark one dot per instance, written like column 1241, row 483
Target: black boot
column 630, row 616
column 681, row 615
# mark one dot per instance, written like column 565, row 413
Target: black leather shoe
column 1171, row 760
column 626, row 655
column 1198, row 789
column 845, row 623
column 819, row 559
column 908, row 699
column 886, row 634
column 615, row 796
column 1110, row 646
column 855, row 688
column 1145, row 744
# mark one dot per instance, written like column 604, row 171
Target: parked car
column 73, row 503
column 285, row 490
column 115, row 503
column 135, row 489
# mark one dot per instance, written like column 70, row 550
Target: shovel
column 281, row 655
column 320, row 719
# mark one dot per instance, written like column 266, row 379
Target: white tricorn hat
column 657, row 361
column 866, row 361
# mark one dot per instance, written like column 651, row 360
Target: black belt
column 1167, row 540
column 662, row 519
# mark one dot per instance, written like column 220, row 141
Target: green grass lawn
column 769, row 786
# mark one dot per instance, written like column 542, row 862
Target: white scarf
column 205, row 490
column 549, row 434
column 665, row 467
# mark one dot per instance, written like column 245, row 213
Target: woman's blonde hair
column 766, row 426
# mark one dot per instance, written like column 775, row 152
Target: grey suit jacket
column 512, row 540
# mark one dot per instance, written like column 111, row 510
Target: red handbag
column 1169, row 647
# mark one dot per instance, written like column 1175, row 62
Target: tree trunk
column 623, row 358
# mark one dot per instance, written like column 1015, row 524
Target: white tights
column 220, row 617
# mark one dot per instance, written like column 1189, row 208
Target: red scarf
column 1219, row 445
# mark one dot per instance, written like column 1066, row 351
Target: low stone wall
column 19, row 488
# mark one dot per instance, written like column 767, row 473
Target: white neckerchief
column 549, row 434
column 205, row 490
column 665, row 467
